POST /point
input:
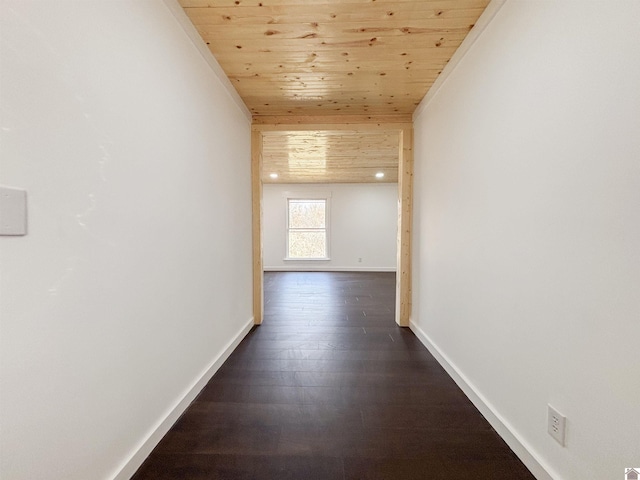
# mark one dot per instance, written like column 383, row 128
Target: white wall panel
column 527, row 206
column 135, row 276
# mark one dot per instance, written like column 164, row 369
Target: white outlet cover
column 13, row 211
column 556, row 424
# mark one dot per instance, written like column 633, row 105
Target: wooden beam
column 329, row 119
column 256, row 193
column 359, row 127
column 405, row 212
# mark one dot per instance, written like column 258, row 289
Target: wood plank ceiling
column 366, row 58
column 330, row 156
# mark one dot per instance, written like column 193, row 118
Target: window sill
column 287, row 259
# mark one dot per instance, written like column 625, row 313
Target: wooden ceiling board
column 344, row 12
column 328, row 57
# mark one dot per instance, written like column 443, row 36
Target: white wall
column 363, row 224
column 135, row 276
column 527, row 257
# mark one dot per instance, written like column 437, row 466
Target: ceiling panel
column 332, row 57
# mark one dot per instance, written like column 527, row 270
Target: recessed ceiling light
column 379, row 175
column 273, row 175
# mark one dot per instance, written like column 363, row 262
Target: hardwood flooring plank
column 188, row 466
column 237, row 439
column 429, row 417
column 252, row 394
column 251, row 377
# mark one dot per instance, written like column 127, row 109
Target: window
column 307, row 229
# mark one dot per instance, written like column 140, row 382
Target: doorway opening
column 313, row 164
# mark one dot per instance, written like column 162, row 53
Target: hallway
column 330, row 388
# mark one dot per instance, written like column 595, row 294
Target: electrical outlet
column 359, row 260
column 556, row 423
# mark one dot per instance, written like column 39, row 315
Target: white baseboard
column 504, row 429
column 160, row 430
column 320, row 268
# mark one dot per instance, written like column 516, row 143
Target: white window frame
column 326, row 196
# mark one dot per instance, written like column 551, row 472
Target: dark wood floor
column 330, row 388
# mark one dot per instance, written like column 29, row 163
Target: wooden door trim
column 256, row 207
